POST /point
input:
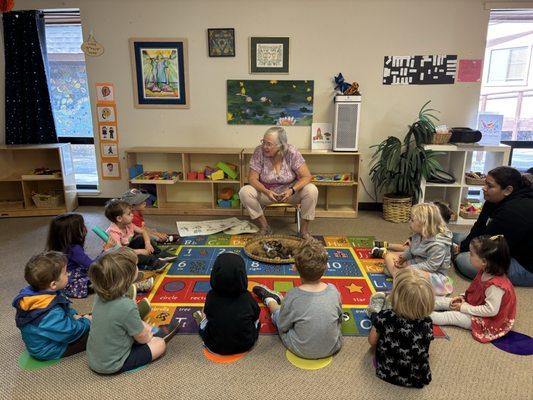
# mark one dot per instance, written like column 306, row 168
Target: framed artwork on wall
column 269, row 55
column 221, row 42
column 160, row 73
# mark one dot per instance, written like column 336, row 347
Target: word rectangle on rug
column 182, row 289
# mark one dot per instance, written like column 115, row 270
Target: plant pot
column 397, row 208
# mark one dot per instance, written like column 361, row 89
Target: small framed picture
column 321, row 135
column 221, row 42
column 269, row 55
column 106, row 114
column 105, row 92
column 109, row 150
column 110, row 169
column 108, row 132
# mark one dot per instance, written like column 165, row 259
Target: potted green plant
column 397, row 167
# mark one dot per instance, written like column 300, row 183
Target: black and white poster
column 420, row 70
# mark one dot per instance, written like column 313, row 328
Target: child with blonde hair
column 401, row 336
column 119, row 340
column 429, row 250
column 309, row 319
column 488, row 307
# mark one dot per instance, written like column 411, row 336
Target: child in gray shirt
column 309, row 320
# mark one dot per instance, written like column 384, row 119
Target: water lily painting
column 274, row 102
column 160, row 73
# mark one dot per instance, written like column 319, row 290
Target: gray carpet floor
column 462, row 368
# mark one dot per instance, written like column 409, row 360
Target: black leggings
column 76, row 347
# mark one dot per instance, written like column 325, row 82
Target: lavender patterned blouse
column 277, row 182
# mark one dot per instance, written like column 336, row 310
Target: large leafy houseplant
column 398, row 167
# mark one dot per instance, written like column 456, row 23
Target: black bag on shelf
column 440, row 176
column 465, row 135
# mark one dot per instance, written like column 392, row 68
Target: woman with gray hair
column 278, row 174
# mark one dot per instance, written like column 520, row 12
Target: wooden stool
column 297, row 209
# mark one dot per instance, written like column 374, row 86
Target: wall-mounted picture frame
column 221, row 42
column 269, row 55
column 160, row 73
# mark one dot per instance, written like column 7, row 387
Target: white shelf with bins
column 457, row 160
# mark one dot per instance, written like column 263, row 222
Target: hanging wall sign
column 436, row 69
column 107, row 130
column 91, row 47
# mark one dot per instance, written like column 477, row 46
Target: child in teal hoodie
column 50, row 328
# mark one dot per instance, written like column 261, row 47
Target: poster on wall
column 321, row 135
column 274, row 102
column 469, row 71
column 109, row 149
column 437, row 69
column 107, row 130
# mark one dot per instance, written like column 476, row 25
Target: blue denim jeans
column 518, row 275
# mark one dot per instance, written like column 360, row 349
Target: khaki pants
column 254, row 201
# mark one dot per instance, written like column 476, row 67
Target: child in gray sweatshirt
column 429, row 250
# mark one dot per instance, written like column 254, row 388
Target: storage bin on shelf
column 47, row 200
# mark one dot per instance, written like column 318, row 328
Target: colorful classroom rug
column 182, row 289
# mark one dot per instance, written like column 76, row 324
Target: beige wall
column 326, row 37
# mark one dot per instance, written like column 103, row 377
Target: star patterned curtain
column 28, row 111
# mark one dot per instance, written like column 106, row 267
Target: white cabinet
column 457, row 160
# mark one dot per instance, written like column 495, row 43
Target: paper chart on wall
column 107, row 130
column 197, row 228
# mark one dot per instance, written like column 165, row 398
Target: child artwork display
column 110, row 169
column 221, row 42
column 469, row 71
column 160, row 73
column 419, row 70
column 490, row 126
column 106, row 113
column 321, row 136
column 108, row 132
column 274, row 102
column 105, row 92
column 109, row 150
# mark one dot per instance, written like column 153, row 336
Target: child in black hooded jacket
column 230, row 321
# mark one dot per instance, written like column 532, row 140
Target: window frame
column 507, row 82
column 71, row 17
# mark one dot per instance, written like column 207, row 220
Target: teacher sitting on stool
column 278, row 174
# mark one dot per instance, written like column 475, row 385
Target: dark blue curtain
column 29, row 118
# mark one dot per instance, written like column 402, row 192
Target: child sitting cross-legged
column 229, row 323
column 137, row 200
column 50, row 328
column 401, row 336
column 309, row 318
column 125, row 233
column 119, row 340
column 488, row 307
column 429, row 250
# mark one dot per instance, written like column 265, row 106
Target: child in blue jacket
column 50, row 328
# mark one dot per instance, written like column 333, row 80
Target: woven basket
column 441, row 138
column 254, row 248
column 53, row 200
column 396, row 208
column 468, row 215
column 473, row 181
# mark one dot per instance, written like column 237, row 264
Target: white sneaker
column 377, row 301
column 145, row 286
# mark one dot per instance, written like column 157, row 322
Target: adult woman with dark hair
column 278, row 173
column 508, row 210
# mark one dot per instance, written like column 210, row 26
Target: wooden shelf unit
column 186, row 197
column 196, row 197
column 17, row 183
column 457, row 160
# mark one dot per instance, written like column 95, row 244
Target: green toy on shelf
column 232, row 173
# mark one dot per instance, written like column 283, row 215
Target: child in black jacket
column 230, row 321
